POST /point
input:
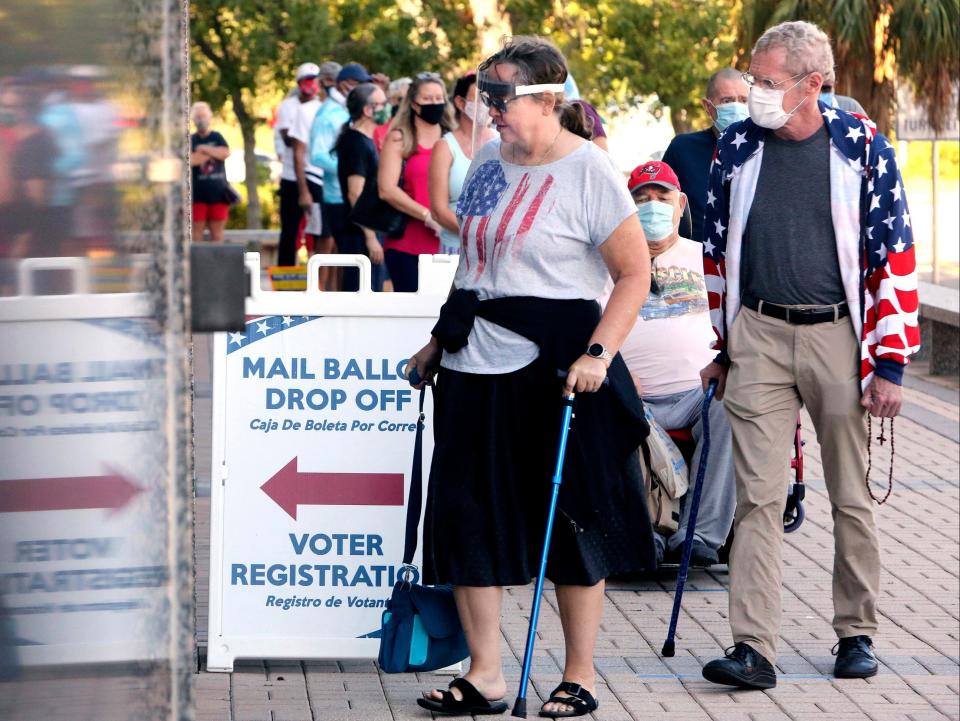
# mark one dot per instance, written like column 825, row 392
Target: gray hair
column 721, row 74
column 330, row 70
column 199, row 105
column 398, row 86
column 808, row 47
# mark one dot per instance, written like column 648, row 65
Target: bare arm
column 198, row 157
column 285, row 136
column 391, row 162
column 355, row 185
column 440, row 163
column 299, row 168
column 628, row 259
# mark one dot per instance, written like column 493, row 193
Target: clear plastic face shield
column 497, row 95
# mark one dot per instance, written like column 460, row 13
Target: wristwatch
column 598, row 350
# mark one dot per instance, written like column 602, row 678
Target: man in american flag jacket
column 810, row 272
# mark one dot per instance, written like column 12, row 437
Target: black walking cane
column 520, row 705
column 668, row 645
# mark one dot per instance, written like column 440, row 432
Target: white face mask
column 766, row 106
column 479, row 114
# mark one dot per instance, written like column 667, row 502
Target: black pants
column 351, row 241
column 290, row 216
column 403, row 270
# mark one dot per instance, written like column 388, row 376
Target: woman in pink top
column 423, row 118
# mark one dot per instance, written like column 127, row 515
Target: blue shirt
column 690, row 156
column 327, row 124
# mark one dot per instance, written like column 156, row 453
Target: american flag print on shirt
column 888, row 282
column 478, row 204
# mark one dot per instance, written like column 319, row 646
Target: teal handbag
column 420, row 629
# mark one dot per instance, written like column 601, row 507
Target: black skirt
column 495, row 450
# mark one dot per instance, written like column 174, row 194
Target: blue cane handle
column 414, row 377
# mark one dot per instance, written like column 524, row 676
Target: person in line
column 546, row 221
column 451, row 159
column 813, row 299
column 424, row 116
column 844, row 102
column 324, row 131
column 296, row 196
column 690, row 154
column 595, row 123
column 396, row 92
column 208, row 151
column 27, row 155
column 357, row 165
column 670, row 344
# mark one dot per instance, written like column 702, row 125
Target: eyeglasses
column 751, row 80
column 496, row 102
column 428, row 76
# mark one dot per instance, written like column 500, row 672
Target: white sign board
column 83, row 491
column 313, row 432
column 912, row 121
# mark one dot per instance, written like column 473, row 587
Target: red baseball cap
column 653, row 172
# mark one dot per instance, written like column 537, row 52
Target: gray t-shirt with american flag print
column 533, row 231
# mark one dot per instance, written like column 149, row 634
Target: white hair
column 808, row 47
column 399, row 86
column 199, row 105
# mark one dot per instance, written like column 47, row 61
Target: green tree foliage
column 620, row 50
column 250, row 48
column 876, row 43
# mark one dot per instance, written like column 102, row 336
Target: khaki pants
column 774, row 367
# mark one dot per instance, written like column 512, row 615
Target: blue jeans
column 718, row 500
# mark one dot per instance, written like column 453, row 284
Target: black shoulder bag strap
column 415, row 498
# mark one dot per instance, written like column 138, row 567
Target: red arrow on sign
column 290, row 488
column 113, row 491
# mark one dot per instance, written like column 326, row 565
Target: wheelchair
column 793, row 512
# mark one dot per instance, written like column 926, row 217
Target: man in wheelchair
column 668, row 346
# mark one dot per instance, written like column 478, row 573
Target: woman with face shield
column 451, row 159
column 545, row 221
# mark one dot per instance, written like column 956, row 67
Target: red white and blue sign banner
column 314, row 429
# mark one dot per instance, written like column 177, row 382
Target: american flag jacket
column 872, row 226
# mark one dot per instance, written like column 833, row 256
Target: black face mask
column 394, row 109
column 432, row 114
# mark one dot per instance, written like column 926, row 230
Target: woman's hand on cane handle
column 425, row 363
column 586, row 375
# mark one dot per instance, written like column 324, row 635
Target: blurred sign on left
column 83, row 547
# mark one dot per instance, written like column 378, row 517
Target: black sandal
column 582, row 701
column 473, row 702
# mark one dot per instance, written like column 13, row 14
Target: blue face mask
column 656, row 218
column 730, row 113
column 829, row 99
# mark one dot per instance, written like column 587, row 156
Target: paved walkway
column 918, row 644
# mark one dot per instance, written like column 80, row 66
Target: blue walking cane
column 520, row 705
column 668, row 645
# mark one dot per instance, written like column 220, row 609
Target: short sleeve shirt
column 533, row 231
column 670, row 342
column 300, row 130
column 286, row 117
column 209, row 179
column 357, row 156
